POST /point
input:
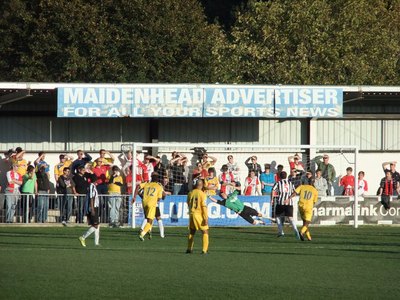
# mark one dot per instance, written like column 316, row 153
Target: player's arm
column 213, row 159
column 213, row 199
column 136, row 193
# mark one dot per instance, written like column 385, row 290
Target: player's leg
column 143, row 223
column 150, row 212
column 192, row 232
column 206, row 242
column 280, row 218
column 289, row 214
column 160, row 222
column 248, row 214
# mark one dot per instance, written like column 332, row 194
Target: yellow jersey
column 22, row 166
column 211, row 181
column 308, row 195
column 152, row 192
column 196, row 201
column 115, row 188
column 59, row 168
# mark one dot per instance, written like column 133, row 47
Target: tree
column 312, row 42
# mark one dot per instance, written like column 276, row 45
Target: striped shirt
column 284, row 189
column 93, row 194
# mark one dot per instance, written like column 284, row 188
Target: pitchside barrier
column 174, row 212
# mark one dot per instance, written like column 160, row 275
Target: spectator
column 115, row 200
column 168, row 189
column 80, row 191
column 227, row 180
column 278, row 173
column 126, row 162
column 320, row 184
column 252, row 186
column 43, row 189
column 307, row 179
column 19, row 159
column 253, row 165
column 41, row 162
column 149, row 165
column 362, row 184
column 347, row 182
column 211, row 184
column 199, row 172
column 65, row 162
column 233, row 167
column 391, row 167
column 295, row 163
column 14, row 181
column 107, row 161
column 29, row 189
column 327, row 169
column 208, row 161
column 83, row 158
column 177, row 167
column 101, row 172
column 66, row 187
column 295, row 177
column 267, row 180
column 159, row 167
column 388, row 187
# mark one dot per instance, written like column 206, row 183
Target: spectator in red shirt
column 347, row 182
column 362, row 184
column 295, row 163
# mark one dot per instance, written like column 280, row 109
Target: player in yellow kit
column 152, row 193
column 308, row 196
column 198, row 216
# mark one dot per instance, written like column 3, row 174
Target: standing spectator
column 267, row 180
column 362, row 184
column 126, row 161
column 159, row 167
column 66, row 187
column 284, row 205
column 253, row 165
column 391, row 167
column 307, row 179
column 208, row 161
column 278, row 173
column 211, row 184
column 252, row 186
column 295, row 163
column 227, row 180
column 149, row 165
column 320, row 184
column 177, row 167
column 40, row 161
column 29, row 190
column 101, row 172
column 199, row 172
column 388, row 187
column 233, row 167
column 18, row 158
column 80, row 191
column 82, row 160
column 327, row 169
column 107, row 161
column 14, row 181
column 295, row 177
column 43, row 188
column 114, row 190
column 347, row 182
column 168, row 189
column 65, row 162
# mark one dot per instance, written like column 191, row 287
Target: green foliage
column 105, row 41
column 313, row 42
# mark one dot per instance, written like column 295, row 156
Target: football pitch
column 243, row 263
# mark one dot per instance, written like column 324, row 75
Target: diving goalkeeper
column 232, row 202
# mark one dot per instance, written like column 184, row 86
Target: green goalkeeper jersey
column 233, row 203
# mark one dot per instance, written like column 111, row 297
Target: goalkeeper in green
column 232, row 202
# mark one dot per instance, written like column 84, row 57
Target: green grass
column 244, row 263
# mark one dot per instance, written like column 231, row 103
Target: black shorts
column 93, row 220
column 247, row 214
column 284, row 210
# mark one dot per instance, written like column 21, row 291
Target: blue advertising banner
column 174, row 211
column 195, row 101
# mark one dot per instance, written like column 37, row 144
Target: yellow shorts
column 196, row 222
column 150, row 212
column 306, row 214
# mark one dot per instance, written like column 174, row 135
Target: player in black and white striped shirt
column 92, row 213
column 284, row 204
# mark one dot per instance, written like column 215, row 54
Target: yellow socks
column 190, row 241
column 205, row 242
column 146, row 228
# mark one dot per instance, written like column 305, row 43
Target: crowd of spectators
column 73, row 176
